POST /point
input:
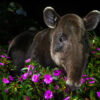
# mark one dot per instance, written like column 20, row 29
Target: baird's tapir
column 64, row 44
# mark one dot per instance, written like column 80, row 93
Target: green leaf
column 92, row 94
column 55, row 78
column 24, row 69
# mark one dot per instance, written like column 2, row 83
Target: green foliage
column 24, row 88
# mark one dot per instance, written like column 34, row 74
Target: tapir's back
column 19, row 46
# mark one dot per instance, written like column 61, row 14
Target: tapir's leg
column 18, row 60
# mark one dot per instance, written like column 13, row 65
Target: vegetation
column 40, row 83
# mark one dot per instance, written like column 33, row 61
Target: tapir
column 64, row 44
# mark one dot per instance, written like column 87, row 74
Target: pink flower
column 48, row 94
column 93, row 52
column 35, row 71
column 56, row 72
column 8, row 57
column 27, row 98
column 98, row 94
column 3, row 56
column 87, row 78
column 84, row 75
column 92, row 78
column 6, row 90
column 91, row 82
column 56, row 87
column 1, row 64
column 47, row 79
column 24, row 76
column 19, row 79
column 11, row 78
column 98, row 49
column 35, row 77
column 30, row 73
column 5, row 80
column 65, row 78
column 0, row 50
column 30, row 67
column 82, row 80
column 67, row 98
column 27, row 60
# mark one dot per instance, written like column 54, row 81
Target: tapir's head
column 69, row 41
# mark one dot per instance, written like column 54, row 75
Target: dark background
column 34, row 9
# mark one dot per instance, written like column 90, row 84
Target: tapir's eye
column 62, row 38
column 59, row 42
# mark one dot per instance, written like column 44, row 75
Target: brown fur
column 72, row 55
column 64, row 44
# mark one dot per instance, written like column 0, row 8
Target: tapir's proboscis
column 64, row 44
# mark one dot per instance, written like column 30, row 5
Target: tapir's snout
column 73, row 86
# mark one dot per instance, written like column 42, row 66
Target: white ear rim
column 51, row 27
column 97, row 11
column 48, row 8
column 98, row 20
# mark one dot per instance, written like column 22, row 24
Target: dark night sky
column 62, row 7
column 82, row 7
column 35, row 8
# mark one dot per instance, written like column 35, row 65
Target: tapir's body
column 19, row 48
column 37, row 47
column 41, row 50
column 64, row 44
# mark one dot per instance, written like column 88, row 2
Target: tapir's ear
column 50, row 17
column 91, row 20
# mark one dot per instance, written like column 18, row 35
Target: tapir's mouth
column 73, row 86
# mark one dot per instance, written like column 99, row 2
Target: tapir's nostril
column 73, row 86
